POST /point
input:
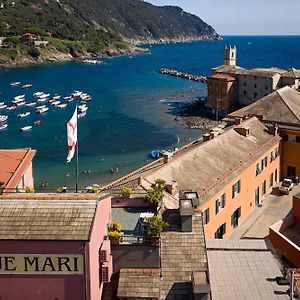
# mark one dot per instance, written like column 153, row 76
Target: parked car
column 286, row 186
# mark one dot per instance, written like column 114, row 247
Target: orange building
column 282, row 108
column 284, row 234
column 16, row 169
column 221, row 92
column 231, row 172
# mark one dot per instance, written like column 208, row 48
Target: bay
column 130, row 112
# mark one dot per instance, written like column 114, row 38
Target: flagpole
column 77, row 148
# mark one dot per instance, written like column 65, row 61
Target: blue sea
column 131, row 111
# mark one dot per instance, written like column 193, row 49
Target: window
column 255, row 85
column 220, row 232
column 245, row 93
column 220, row 203
column 272, row 157
column 245, row 83
column 263, row 188
column 276, row 172
column 277, row 152
column 206, row 216
column 266, row 87
column 264, row 163
column 236, row 188
column 271, row 179
column 235, row 217
column 255, row 94
column 258, row 170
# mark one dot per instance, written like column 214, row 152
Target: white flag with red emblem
column 72, row 135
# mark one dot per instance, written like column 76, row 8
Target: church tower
column 230, row 56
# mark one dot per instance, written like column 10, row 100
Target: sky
column 244, row 17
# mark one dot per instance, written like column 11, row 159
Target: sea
column 133, row 107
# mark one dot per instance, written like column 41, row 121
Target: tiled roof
column 223, row 76
column 13, row 164
column 291, row 73
column 139, row 283
column 228, row 69
column 46, row 220
column 282, row 105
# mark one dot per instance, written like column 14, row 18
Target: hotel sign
column 39, row 264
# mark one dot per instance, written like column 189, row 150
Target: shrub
column 127, row 191
column 115, row 226
column 154, row 196
column 94, row 190
column 156, row 226
column 114, row 231
column 114, row 235
column 34, row 52
column 59, row 190
column 29, row 190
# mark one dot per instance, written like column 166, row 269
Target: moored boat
column 26, row 128
column 42, row 110
column 23, row 115
column 16, row 83
column 26, row 86
column 3, row 126
column 42, row 100
column 11, row 107
column 37, row 94
column 154, row 154
column 37, row 122
column 55, row 103
column 63, row 105
column 2, row 103
column 30, row 104
column 3, row 106
column 3, row 118
column 22, row 103
column 40, row 107
column 82, row 108
column 19, row 97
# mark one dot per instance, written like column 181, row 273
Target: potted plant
column 126, row 192
column 156, row 225
column 155, row 194
column 114, row 232
column 95, row 190
column 29, row 190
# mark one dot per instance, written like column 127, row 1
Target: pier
column 175, row 73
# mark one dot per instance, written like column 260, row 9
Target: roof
column 282, row 105
column 243, row 269
column 139, row 283
column 13, row 164
column 228, row 69
column 46, row 220
column 291, row 73
column 210, row 166
column 223, row 76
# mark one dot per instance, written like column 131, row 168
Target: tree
column 156, row 226
column 155, row 194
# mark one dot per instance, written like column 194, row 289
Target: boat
column 42, row 100
column 154, row 154
column 76, row 94
column 42, row 110
column 86, row 98
column 82, row 108
column 55, row 103
column 26, row 128
column 68, row 98
column 37, row 94
column 22, row 103
column 16, row 83
column 19, row 97
column 43, row 96
column 93, row 62
column 26, row 86
column 37, row 122
column 3, row 126
column 40, row 107
column 3, row 118
column 81, row 115
column 63, row 105
column 11, row 107
column 56, row 97
column 3, row 106
column 2, row 103
column 23, row 115
column 17, row 101
column 30, row 104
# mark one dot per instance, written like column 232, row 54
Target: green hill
column 77, row 27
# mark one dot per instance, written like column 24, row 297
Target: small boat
column 44, row 96
column 63, row 105
column 37, row 94
column 3, row 118
column 23, row 115
column 40, row 107
column 55, row 103
column 42, row 100
column 76, row 94
column 37, row 122
column 30, row 104
column 86, row 98
column 42, row 110
column 67, row 98
column 3, row 106
column 26, row 86
column 3, row 126
column 154, row 154
column 82, row 108
column 22, row 103
column 17, row 101
column 56, row 97
column 26, row 128
column 19, row 97
column 2, row 103
column 16, row 83
column 11, row 107
column 81, row 115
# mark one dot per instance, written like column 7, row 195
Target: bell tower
column 230, row 56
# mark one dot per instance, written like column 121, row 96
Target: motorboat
column 2, row 103
column 40, row 107
column 82, row 108
column 38, row 94
column 26, row 128
column 23, row 115
column 11, row 107
column 3, row 106
column 16, row 83
column 42, row 110
column 55, row 103
column 63, row 105
column 42, row 100
column 3, row 126
column 56, row 97
column 17, row 101
column 3, row 118
column 68, row 98
column 154, row 154
column 76, row 94
column 26, row 86
column 30, row 104
column 19, row 97
column 44, row 96
column 37, row 122
column 22, row 103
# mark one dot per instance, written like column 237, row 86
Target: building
column 53, row 247
column 284, row 235
column 250, row 84
column 16, row 169
column 29, row 37
column 282, row 107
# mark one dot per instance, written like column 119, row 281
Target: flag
column 72, row 135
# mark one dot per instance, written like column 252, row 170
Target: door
column 257, row 196
column 291, row 172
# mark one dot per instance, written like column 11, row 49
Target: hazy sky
column 244, row 16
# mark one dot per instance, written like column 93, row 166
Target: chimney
column 244, row 131
column 171, row 188
column 274, row 130
column 188, row 200
column 238, row 120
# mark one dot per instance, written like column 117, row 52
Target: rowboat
column 26, row 128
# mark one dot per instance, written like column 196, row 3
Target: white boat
column 3, row 106
column 56, row 97
column 17, row 101
column 22, row 103
column 26, row 128
column 63, row 105
column 19, row 97
column 23, row 115
column 81, row 115
column 26, row 86
column 42, row 110
column 55, row 103
column 82, row 109
column 37, row 94
column 76, row 94
column 40, row 107
column 3, row 118
column 30, row 104
column 3, row 126
column 16, row 83
column 44, row 96
column 2, row 103
column 42, row 100
column 11, row 107
column 68, row 98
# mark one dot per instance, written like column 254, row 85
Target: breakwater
column 183, row 75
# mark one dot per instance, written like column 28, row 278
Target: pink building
column 16, row 169
column 284, row 234
column 54, row 247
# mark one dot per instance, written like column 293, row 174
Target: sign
column 39, row 264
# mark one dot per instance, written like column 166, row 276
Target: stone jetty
column 183, row 75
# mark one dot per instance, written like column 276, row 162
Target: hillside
column 77, row 28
